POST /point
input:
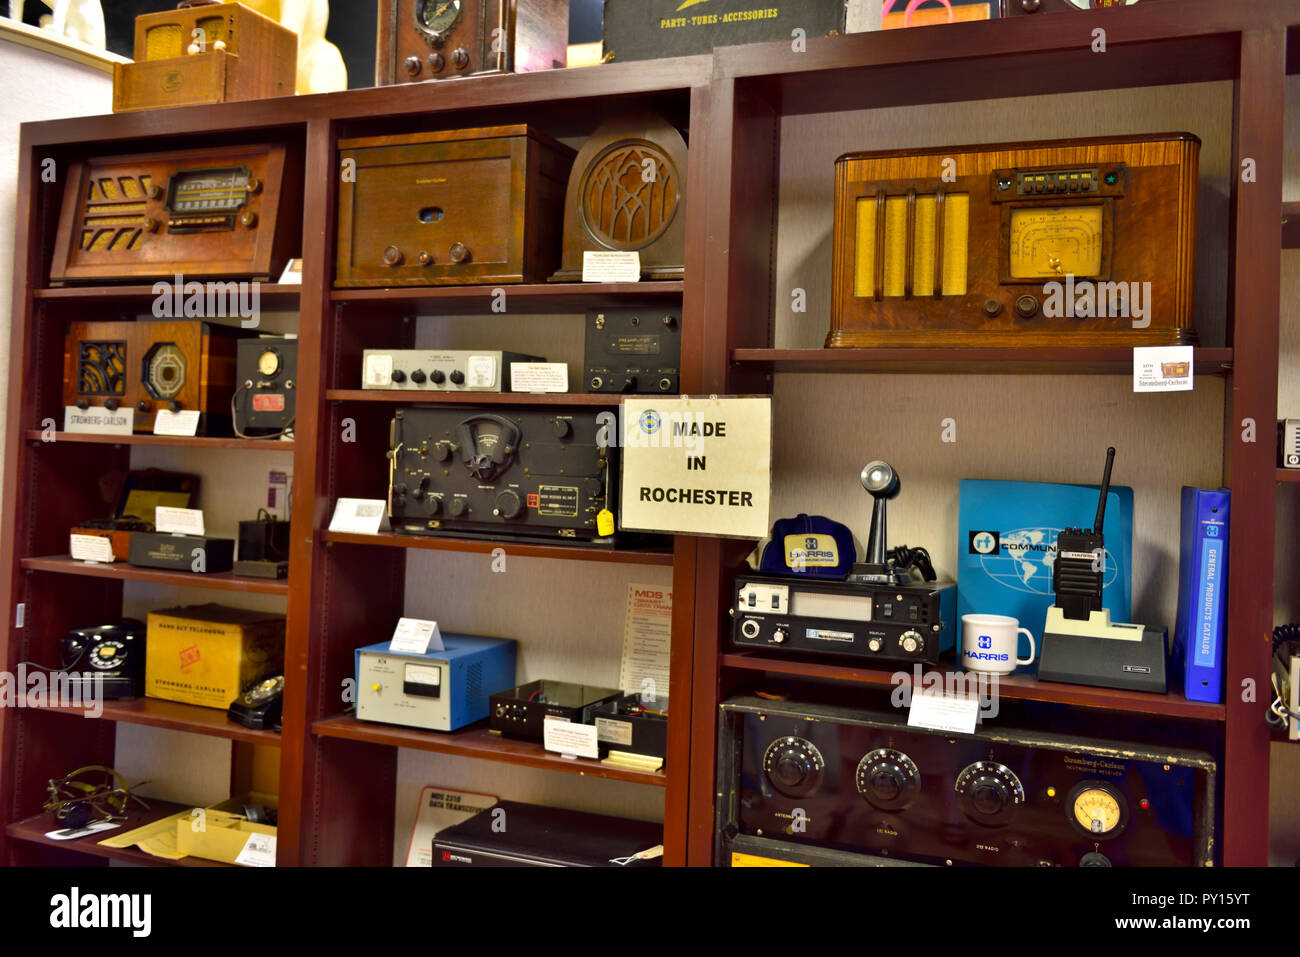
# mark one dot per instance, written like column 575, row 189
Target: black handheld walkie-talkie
column 1081, row 560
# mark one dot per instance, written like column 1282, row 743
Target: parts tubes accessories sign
column 697, row 466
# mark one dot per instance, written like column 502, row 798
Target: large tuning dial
column 794, row 766
column 888, row 779
column 989, row 793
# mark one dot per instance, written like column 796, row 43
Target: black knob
column 1030, row 6
column 458, row 507
column 629, row 384
column 888, row 779
column 174, row 405
column 457, row 377
column 989, row 795
column 412, row 66
column 992, row 308
column 436, row 377
column 142, row 406
column 83, row 405
column 508, row 504
column 794, row 766
column 1094, row 859
column 561, row 428
column 1026, row 306
column 392, row 256
column 418, row 377
column 886, row 783
column 442, row 452
column 398, row 375
column 433, row 505
column 112, row 405
column 418, row 494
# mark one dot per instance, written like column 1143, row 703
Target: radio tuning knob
column 460, row 58
column 248, row 218
column 111, row 405
column 1026, row 306
column 458, row 253
column 911, row 642
column 424, row 258
column 508, row 505
column 992, row 308
column 778, row 636
column 148, row 224
column 174, row 405
column 398, row 375
column 434, row 505
column 1030, row 6
column 418, row 377
column 155, row 192
column 392, row 256
column 254, row 186
column 436, row 377
column 412, row 65
column 457, row 377
column 142, row 406
column 442, row 452
column 561, row 428
column 875, row 644
column 1094, row 859
column 418, row 494
column 458, row 507
column 83, row 405
column 436, row 62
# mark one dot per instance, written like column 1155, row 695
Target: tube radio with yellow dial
column 1081, row 243
column 221, row 211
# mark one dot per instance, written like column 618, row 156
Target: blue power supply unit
column 440, row 690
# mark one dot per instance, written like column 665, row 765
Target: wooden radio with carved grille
column 226, row 211
column 628, row 193
column 1085, row 242
column 149, row 365
column 457, row 207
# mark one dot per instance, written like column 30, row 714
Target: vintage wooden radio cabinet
column 206, row 53
column 627, row 192
column 151, row 365
column 230, row 211
column 436, row 39
column 459, row 207
column 1066, row 243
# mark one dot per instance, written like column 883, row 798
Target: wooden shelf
column 227, row 581
column 1016, row 687
column 530, row 299
column 175, row 716
column 34, row 828
column 1291, row 225
column 1288, row 475
column 430, row 397
column 576, row 553
column 271, row 296
column 174, row 441
column 477, row 741
column 965, row 361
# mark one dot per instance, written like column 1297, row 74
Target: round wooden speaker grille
column 629, row 195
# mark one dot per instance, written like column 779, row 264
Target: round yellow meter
column 1098, row 811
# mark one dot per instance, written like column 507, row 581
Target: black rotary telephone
column 260, row 706
column 113, row 653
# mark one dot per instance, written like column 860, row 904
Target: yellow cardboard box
column 208, row 654
column 222, row 836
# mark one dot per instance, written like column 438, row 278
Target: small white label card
column 185, row 422
column 415, row 636
column 292, row 275
column 539, row 376
column 361, row 515
column 601, row 266
column 98, row 419
column 179, row 521
column 259, row 851
column 1162, row 369
column 569, row 738
column 942, row 712
column 91, row 548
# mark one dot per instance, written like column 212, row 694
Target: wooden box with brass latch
column 459, row 207
column 1069, row 243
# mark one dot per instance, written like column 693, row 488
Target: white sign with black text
column 697, row 466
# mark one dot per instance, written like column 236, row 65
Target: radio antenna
column 1105, row 490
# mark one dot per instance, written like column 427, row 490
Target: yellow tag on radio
column 604, row 522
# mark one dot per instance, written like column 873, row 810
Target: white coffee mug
column 991, row 642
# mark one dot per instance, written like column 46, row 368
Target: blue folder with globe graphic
column 1007, row 543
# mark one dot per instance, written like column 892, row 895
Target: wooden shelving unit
column 163, row 441
column 28, row 835
column 733, row 104
column 174, row 716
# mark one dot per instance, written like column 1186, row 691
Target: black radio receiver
column 521, row 472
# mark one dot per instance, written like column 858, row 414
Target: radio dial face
column 888, row 779
column 1098, row 810
column 794, row 766
column 436, row 17
column 989, row 793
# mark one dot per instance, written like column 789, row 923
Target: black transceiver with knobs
column 637, row 351
column 1081, row 560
